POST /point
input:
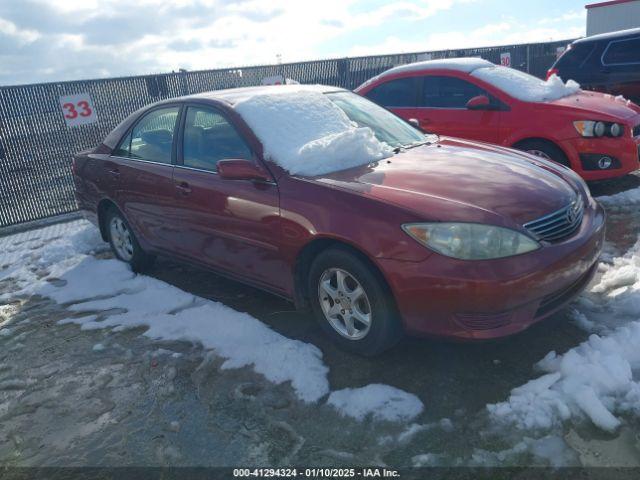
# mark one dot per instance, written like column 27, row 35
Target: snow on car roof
column 463, row 64
column 306, row 133
column 234, row 95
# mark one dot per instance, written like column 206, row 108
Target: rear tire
column 352, row 303
column 124, row 243
column 545, row 150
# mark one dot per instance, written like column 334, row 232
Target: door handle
column 184, row 188
column 115, row 172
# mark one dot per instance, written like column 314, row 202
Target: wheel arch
column 553, row 143
column 104, row 206
column 310, row 251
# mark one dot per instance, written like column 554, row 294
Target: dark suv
column 608, row 63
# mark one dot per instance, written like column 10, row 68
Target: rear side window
column 208, row 138
column 151, row 138
column 448, row 92
column 575, row 57
column 396, row 93
column 622, row 52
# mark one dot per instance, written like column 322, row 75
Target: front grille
column 559, row 224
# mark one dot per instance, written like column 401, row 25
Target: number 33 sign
column 78, row 109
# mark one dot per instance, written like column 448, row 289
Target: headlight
column 616, row 130
column 470, row 241
column 592, row 128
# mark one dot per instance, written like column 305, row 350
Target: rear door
column 621, row 64
column 141, row 173
column 233, row 225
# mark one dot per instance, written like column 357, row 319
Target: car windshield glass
column 385, row 125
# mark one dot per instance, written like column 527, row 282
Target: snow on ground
column 64, row 270
column 59, row 262
column 382, row 402
column 623, row 201
column 306, row 133
column 599, row 379
column 526, row 87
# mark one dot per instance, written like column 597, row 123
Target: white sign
column 505, row 59
column 78, row 109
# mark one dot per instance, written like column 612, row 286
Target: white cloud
column 68, row 39
column 504, row 32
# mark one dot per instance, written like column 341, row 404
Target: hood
column 459, row 180
column 602, row 103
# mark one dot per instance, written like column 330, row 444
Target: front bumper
column 624, row 150
column 486, row 299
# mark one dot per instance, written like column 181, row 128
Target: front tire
column 124, row 244
column 352, row 303
column 545, row 150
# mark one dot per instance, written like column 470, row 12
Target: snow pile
column 623, row 201
column 307, row 134
column 549, row 450
column 598, row 379
column 60, row 268
column 526, row 87
column 383, row 402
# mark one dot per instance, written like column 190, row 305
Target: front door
column 233, row 225
column 442, row 109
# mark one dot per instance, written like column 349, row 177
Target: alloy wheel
column 121, row 239
column 539, row 153
column 345, row 303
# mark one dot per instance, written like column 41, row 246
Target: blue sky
column 46, row 40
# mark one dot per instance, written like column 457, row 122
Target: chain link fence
column 36, row 144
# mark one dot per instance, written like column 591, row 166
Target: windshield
column 385, row 125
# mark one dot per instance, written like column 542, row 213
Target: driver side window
column 208, row 138
column 448, row 92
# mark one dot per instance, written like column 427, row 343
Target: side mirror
column 479, row 102
column 238, row 169
column 414, row 122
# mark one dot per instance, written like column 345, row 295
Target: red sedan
column 320, row 196
column 595, row 134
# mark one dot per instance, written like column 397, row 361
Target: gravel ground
column 102, row 397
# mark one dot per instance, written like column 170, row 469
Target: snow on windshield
column 307, row 134
column 526, row 87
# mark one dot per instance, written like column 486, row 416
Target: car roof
column 235, row 95
column 461, row 64
column 609, row 36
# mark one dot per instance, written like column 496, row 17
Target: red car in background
column 595, row 134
